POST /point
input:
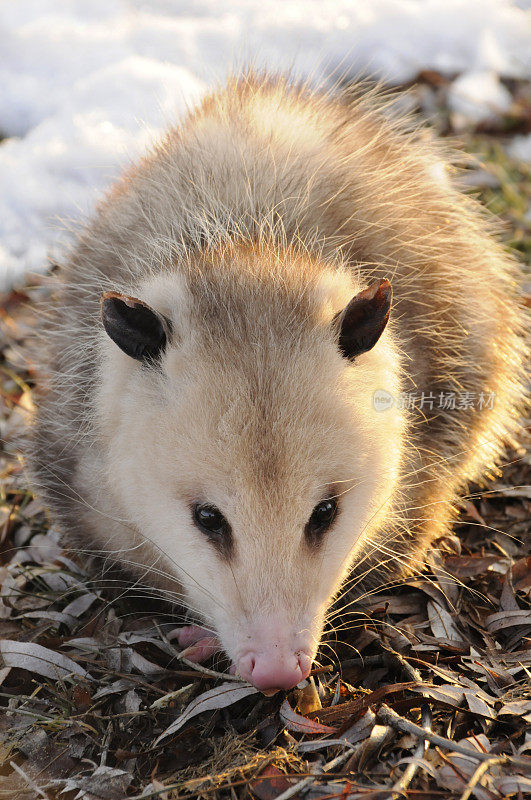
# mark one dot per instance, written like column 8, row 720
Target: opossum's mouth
column 198, row 643
column 270, row 669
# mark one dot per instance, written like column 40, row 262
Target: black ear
column 136, row 328
column 362, row 322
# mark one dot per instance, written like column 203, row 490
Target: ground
column 97, row 702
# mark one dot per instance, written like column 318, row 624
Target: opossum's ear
column 362, row 322
column 136, row 328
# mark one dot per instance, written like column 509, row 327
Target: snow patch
column 477, row 97
column 520, row 148
column 87, row 85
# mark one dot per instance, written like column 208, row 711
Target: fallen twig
column 390, row 717
column 481, row 769
column 411, row 770
column 293, row 790
column 28, row 780
column 206, row 671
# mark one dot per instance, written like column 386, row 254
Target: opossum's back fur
column 269, row 164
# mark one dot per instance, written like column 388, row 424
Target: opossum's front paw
column 199, row 644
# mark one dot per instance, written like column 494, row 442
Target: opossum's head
column 242, row 440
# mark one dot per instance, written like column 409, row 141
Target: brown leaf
column 516, row 785
column 356, row 733
column 308, row 699
column 472, row 512
column 345, row 714
column 521, row 572
column 379, row 736
column 35, row 658
column 518, row 708
column 219, row 697
column 477, row 700
column 296, row 722
column 270, row 783
column 105, row 782
column 507, row 619
column 397, row 604
column 458, row 768
column 470, row 566
column 81, row 697
column 159, row 787
column 442, row 623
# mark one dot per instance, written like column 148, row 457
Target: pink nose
column 271, row 671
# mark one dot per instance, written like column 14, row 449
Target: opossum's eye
column 211, row 521
column 322, row 517
column 363, row 321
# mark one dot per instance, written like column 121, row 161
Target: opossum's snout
column 274, row 659
column 271, row 671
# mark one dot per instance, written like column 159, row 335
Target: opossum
column 236, row 409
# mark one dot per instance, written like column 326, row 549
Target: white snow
column 520, row 148
column 85, row 85
column 477, row 96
